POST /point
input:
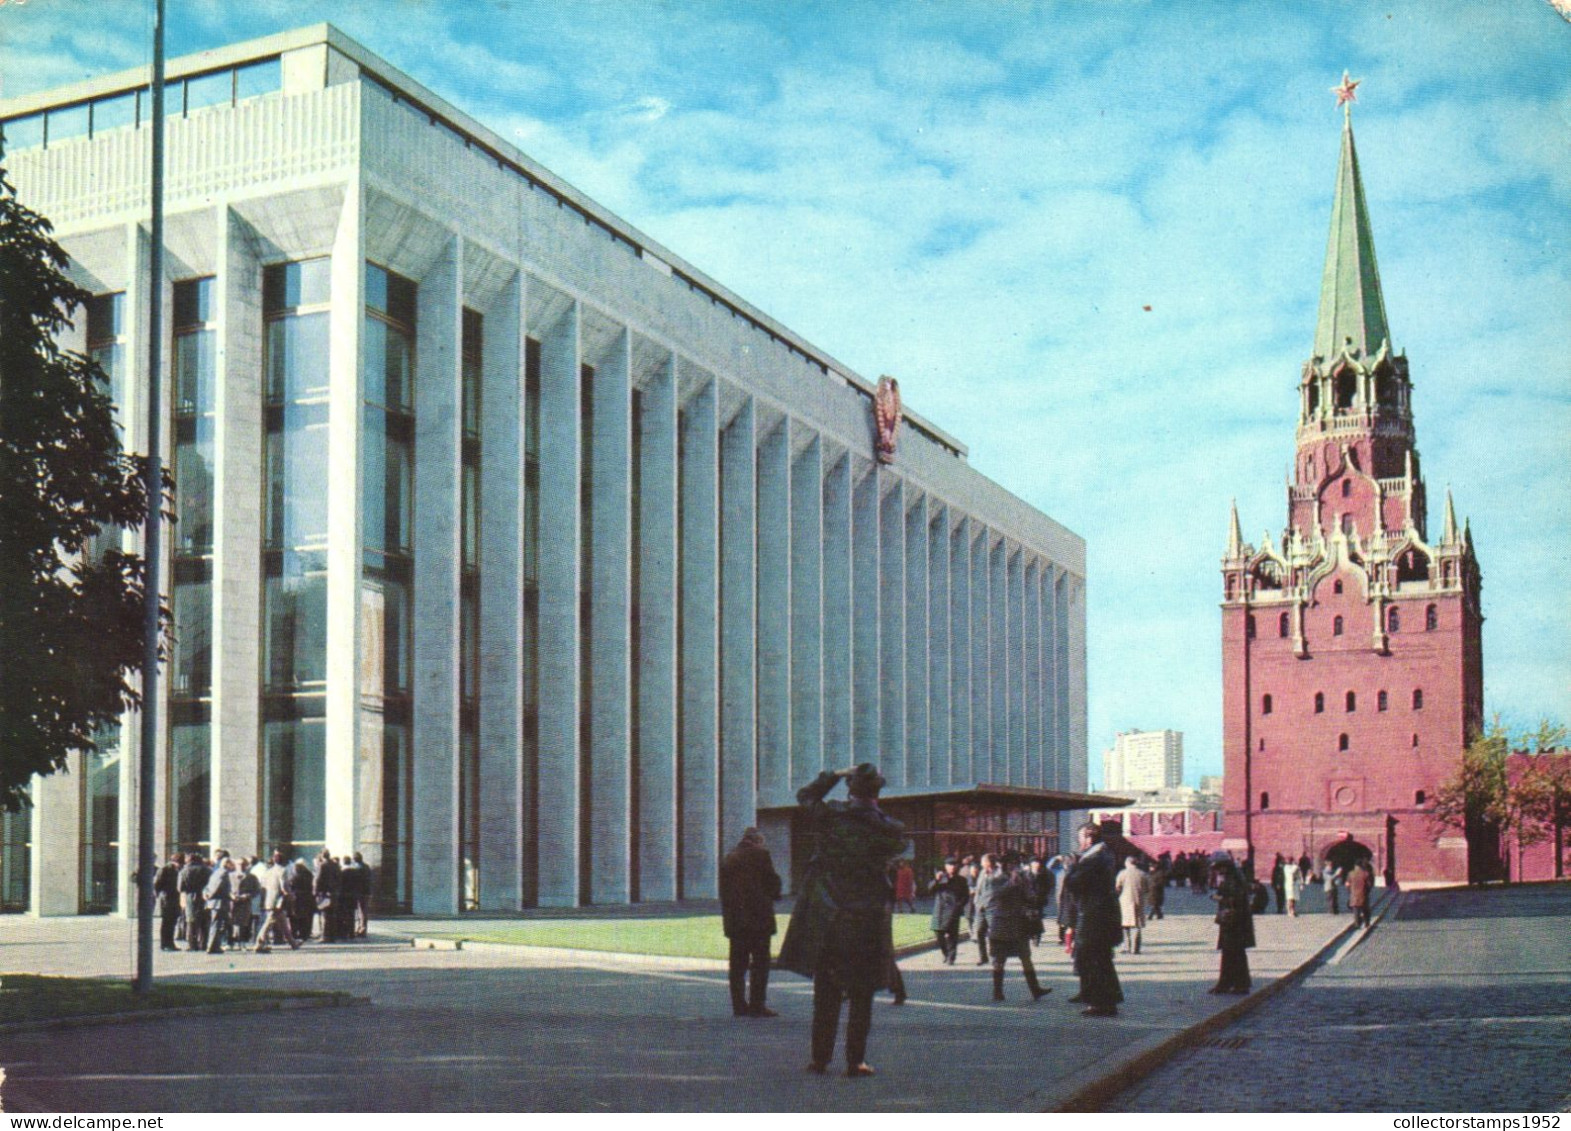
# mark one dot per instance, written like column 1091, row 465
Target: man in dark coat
column 840, row 927
column 1098, row 923
column 193, row 879
column 1005, row 897
column 951, row 892
column 167, row 886
column 328, row 890
column 1235, row 924
column 749, row 887
column 302, row 900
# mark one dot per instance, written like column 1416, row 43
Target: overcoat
column 1235, row 921
column 1006, row 901
column 1090, row 882
column 950, row 894
column 841, row 917
column 1131, row 885
column 749, row 886
column 1359, row 883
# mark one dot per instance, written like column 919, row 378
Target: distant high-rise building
column 1144, row 760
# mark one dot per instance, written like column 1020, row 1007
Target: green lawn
column 696, row 936
column 34, row 997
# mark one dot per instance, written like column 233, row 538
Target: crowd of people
column 226, row 903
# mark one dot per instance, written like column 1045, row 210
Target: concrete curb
column 218, row 1009
column 1094, row 1097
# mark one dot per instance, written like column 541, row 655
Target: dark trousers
column 949, row 942
column 218, row 930
column 1360, row 915
column 1098, row 979
column 1235, row 969
column 896, row 980
column 749, row 955
column 979, row 933
column 168, row 915
column 1003, row 952
column 300, row 916
column 195, row 923
column 1281, row 900
column 828, row 990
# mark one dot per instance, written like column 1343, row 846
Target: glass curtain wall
column 16, row 860
column 529, row 693
column 294, row 557
column 388, row 442
column 586, row 610
column 191, row 597
column 100, row 782
column 469, row 618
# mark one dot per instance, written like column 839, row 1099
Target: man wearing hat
column 840, row 928
column 749, row 886
column 951, row 892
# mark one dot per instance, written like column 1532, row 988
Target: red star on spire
column 1345, row 92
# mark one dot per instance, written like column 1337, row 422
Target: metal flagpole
column 154, row 483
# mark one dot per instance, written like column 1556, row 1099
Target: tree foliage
column 70, row 616
column 1487, row 797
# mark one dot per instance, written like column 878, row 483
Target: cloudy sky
column 1086, row 236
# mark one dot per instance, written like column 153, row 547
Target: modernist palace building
column 1352, row 648
column 512, row 551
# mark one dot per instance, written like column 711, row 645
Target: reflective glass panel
column 258, row 78
column 190, row 785
column 216, row 89
column 23, row 133
column 114, row 113
column 68, row 123
column 191, row 667
column 297, row 357
column 297, row 478
column 295, row 650
column 306, row 282
column 294, row 792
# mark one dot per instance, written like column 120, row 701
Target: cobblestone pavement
column 1459, row 1002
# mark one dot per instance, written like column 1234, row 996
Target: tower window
column 1282, row 625
column 1265, row 705
column 1394, row 620
column 1320, row 702
column 1418, row 698
column 1346, row 387
column 1431, row 619
column 1341, row 742
column 1336, row 627
column 1347, row 523
column 1415, row 740
column 1352, row 701
column 1336, row 587
column 1265, row 801
column 1419, row 797
column 1249, row 626
column 1382, row 701
column 1262, row 744
column 1347, row 487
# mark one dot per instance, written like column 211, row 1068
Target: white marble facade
column 695, row 587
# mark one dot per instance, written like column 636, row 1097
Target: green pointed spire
column 1351, row 305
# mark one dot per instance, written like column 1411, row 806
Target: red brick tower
column 1352, row 656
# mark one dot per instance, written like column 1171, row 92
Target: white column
column 981, row 662
column 1033, row 672
column 657, row 636
column 437, row 505
column 865, row 616
column 559, row 794
column 807, row 615
column 891, row 617
column 235, row 732
column 55, row 870
column 941, row 720
column 1076, row 676
column 700, row 644
column 738, row 656
column 918, row 772
column 501, row 718
column 775, row 537
column 345, row 410
column 960, row 650
column 610, row 834
column 998, row 656
column 837, row 625
column 1015, row 594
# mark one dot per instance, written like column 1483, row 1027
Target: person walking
column 1097, row 927
column 1292, row 883
column 1360, row 886
column 749, row 887
column 951, row 892
column 975, row 922
column 167, row 885
column 1235, row 926
column 275, row 903
column 1131, row 888
column 840, row 927
column 1005, row 897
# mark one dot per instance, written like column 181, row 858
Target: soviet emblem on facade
column 886, row 418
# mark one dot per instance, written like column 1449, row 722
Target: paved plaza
column 499, row 1028
column 1459, row 1002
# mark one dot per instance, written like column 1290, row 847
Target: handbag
column 323, row 902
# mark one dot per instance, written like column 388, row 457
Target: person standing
column 1332, row 875
column 1097, row 927
column 1156, row 889
column 1131, row 888
column 244, row 888
column 302, row 899
column 1041, row 895
column 1279, row 883
column 975, row 920
column 749, row 887
column 1066, row 900
column 193, row 881
column 218, row 896
column 951, row 892
column 905, row 886
column 327, row 890
column 1360, row 885
column 1235, row 926
column 1004, row 896
column 840, row 927
column 167, row 885
column 362, row 908
column 1292, row 882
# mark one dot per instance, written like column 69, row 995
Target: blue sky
column 983, row 199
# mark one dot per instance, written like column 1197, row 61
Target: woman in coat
column 1235, row 927
column 1291, row 883
column 1131, row 887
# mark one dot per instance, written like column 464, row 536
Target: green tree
column 70, row 618
column 1488, row 802
column 1543, row 790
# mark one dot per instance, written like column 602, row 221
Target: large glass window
column 100, row 891
column 16, row 860
column 294, row 652
column 190, row 784
column 191, row 654
column 194, row 360
column 294, row 770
